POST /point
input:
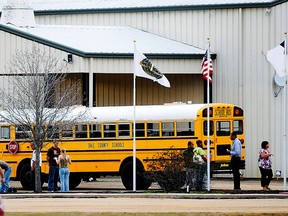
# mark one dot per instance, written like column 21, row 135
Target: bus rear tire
column 26, row 177
column 74, row 181
column 127, row 177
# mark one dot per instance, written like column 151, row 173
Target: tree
column 35, row 100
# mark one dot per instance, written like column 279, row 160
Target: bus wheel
column 26, row 177
column 127, row 177
column 74, row 181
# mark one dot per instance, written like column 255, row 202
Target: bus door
column 222, row 142
column 211, row 137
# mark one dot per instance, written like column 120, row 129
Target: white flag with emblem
column 143, row 67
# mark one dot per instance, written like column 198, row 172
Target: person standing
column 235, row 153
column 189, row 165
column 265, row 165
column 63, row 161
column 52, row 156
column 33, row 164
column 200, row 160
column 6, row 169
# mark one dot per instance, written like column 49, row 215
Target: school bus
column 103, row 143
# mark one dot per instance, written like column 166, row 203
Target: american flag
column 207, row 72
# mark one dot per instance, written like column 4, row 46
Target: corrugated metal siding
column 117, row 89
column 242, row 75
column 74, row 83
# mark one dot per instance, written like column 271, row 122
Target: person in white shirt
column 33, row 163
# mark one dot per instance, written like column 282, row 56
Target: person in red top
column 265, row 165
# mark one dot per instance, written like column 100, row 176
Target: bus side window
column 167, row 128
column 4, row 132
column 205, row 128
column 238, row 126
column 140, row 129
column 53, row 132
column 123, row 130
column 110, row 130
column 95, row 131
column 152, row 129
column 185, row 128
column 81, row 131
column 223, row 128
column 23, row 132
column 67, row 131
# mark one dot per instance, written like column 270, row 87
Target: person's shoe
column 268, row 189
column 237, row 189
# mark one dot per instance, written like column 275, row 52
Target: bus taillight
column 204, row 112
column 238, row 111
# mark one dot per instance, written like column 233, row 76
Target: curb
column 281, row 195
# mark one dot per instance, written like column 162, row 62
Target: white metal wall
column 239, row 37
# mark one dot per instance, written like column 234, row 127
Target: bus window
column 152, row 129
column 95, row 131
column 23, row 132
column 53, row 132
column 67, row 131
column 140, row 129
column 81, row 131
column 238, row 126
column 185, row 128
column 223, row 128
column 109, row 130
column 4, row 132
column 167, row 128
column 123, row 130
column 211, row 128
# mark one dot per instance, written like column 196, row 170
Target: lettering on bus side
column 118, row 145
column 102, row 145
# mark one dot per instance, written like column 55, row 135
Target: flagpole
column 208, row 118
column 134, row 126
column 284, row 117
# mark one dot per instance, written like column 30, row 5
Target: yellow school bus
column 102, row 144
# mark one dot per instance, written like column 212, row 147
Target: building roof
column 105, row 41
column 42, row 6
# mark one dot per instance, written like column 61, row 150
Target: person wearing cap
column 5, row 178
column 33, row 164
column 64, row 173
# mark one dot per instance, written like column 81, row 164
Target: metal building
column 240, row 33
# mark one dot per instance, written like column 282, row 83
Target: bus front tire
column 127, row 177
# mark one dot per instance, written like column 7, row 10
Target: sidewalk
column 220, row 188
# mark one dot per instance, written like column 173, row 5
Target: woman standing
column 265, row 165
column 64, row 172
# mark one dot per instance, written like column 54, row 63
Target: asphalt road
column 109, row 195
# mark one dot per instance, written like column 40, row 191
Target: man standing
column 52, row 156
column 5, row 167
column 235, row 154
column 33, row 164
column 189, row 165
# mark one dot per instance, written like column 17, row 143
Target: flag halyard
column 207, row 67
column 143, row 67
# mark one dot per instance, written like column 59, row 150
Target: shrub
column 167, row 169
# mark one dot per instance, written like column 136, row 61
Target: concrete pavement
column 220, row 188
